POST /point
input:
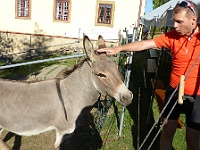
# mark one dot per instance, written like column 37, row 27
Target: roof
column 162, row 16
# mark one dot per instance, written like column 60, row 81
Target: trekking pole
column 181, row 89
column 182, row 82
column 158, row 118
column 181, row 86
column 180, row 101
column 162, row 126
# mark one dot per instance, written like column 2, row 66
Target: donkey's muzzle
column 126, row 99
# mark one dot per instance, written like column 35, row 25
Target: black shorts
column 189, row 107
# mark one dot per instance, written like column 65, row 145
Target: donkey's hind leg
column 4, row 146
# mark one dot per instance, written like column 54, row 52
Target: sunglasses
column 186, row 4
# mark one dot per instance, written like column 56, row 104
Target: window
column 22, row 8
column 105, row 13
column 62, row 10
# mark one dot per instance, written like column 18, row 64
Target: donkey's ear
column 88, row 48
column 101, row 42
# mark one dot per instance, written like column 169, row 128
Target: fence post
column 127, row 79
column 29, row 66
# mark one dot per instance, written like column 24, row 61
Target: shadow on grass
column 85, row 137
column 142, row 96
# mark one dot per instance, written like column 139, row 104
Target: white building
column 69, row 19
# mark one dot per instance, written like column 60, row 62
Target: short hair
column 189, row 12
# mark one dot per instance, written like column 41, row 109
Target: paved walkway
column 49, row 72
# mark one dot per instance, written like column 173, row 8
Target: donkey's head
column 106, row 77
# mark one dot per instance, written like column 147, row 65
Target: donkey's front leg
column 58, row 141
column 62, row 141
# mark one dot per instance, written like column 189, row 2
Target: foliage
column 157, row 3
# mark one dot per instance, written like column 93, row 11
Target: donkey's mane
column 68, row 72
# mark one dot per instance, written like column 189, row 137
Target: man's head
column 185, row 15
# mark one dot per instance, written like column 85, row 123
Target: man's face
column 182, row 24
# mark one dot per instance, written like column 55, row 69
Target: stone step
column 46, row 71
column 55, row 72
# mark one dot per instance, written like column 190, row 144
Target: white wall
column 83, row 14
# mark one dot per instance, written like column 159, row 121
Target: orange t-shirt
column 185, row 57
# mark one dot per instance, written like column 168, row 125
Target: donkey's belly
column 35, row 131
column 26, row 129
column 25, row 122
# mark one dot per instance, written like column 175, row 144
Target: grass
column 130, row 137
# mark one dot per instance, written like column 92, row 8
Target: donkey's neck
column 80, row 85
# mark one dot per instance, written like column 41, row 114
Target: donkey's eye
column 101, row 75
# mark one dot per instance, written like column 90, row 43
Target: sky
column 149, row 6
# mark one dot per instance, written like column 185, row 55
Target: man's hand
column 109, row 51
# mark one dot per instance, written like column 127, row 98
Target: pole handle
column 181, row 89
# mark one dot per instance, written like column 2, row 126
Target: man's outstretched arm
column 130, row 47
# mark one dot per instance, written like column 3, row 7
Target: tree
column 157, row 3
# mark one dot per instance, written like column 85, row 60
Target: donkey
column 31, row 108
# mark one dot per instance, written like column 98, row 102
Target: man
column 184, row 43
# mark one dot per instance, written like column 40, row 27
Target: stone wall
column 20, row 46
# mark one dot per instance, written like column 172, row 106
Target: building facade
column 69, row 19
